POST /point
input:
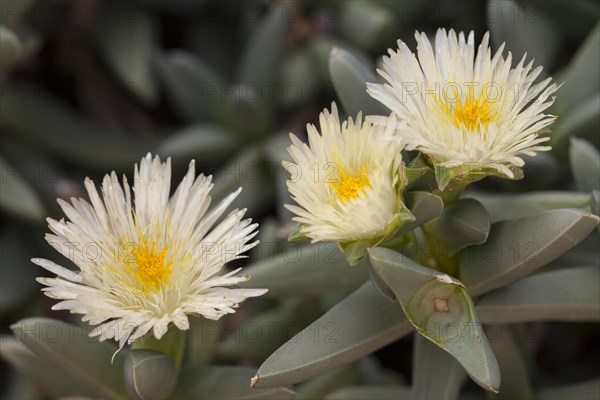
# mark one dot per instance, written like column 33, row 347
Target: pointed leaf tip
column 517, row 247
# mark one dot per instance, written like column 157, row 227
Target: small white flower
column 462, row 109
column 148, row 262
column 348, row 183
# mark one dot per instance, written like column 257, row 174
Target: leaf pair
column 367, row 321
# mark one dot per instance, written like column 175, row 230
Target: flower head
column 348, row 183
column 151, row 260
column 462, row 109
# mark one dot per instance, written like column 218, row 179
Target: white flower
column 348, row 183
column 148, row 262
column 462, row 109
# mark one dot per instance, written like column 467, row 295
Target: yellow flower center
column 471, row 113
column 152, row 266
column 347, row 186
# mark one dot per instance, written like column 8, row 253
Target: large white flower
column 462, row 109
column 348, row 183
column 148, row 262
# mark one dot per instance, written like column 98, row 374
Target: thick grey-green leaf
column 272, row 238
column 54, row 381
column 345, row 333
column 585, row 164
column 249, row 171
column 524, row 31
column 374, row 392
column 516, row 248
column 515, row 376
column 321, row 47
column 380, row 284
column 424, row 206
column 575, row 18
column 225, row 383
column 49, row 179
column 17, row 47
column 319, row 387
column 586, row 252
column 367, row 24
column 12, row 12
column 415, row 170
column 306, row 270
column 461, row 224
column 72, row 138
column 201, row 344
column 595, row 203
column 276, row 152
column 10, row 47
column 17, row 273
column 70, row 349
column 264, row 52
column 299, row 82
column 581, row 80
column 583, row 122
column 261, row 334
column 350, row 76
column 205, row 143
column 149, row 374
column 18, row 386
column 569, row 294
column 442, row 311
column 126, row 33
column 540, row 172
column 193, row 88
column 436, row 374
column 17, row 196
column 588, row 390
column 501, row 206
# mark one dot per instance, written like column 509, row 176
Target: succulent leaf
column 518, row 247
column 515, row 376
column 461, row 224
column 436, row 374
column 585, row 163
column 424, row 206
column 306, row 270
column 512, row 206
column 54, row 381
column 442, row 311
column 149, row 374
column 192, row 87
column 562, row 295
column 128, row 46
column 264, row 52
column 348, row 331
column 350, row 76
column 68, row 348
column 17, row 196
column 226, row 383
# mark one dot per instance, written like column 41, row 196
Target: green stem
column 419, row 254
column 439, row 257
column 172, row 343
column 452, row 192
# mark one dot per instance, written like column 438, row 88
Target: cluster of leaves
column 225, row 88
